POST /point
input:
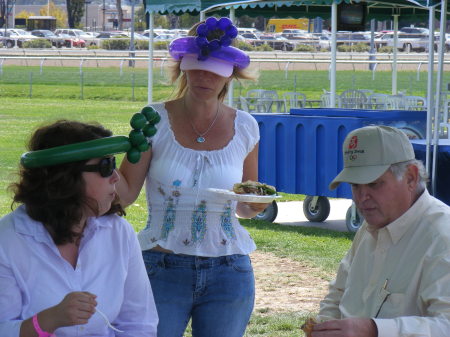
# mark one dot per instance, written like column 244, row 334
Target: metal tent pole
column 394, row 57
column 150, row 59
column 333, row 54
column 430, row 95
column 231, row 84
column 438, row 92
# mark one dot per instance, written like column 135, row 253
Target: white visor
column 212, row 64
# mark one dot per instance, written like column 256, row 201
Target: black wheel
column 9, row 44
column 269, row 214
column 319, row 212
column 353, row 224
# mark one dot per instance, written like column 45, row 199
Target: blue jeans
column 218, row 293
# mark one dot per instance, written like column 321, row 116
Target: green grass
column 316, row 247
column 131, row 83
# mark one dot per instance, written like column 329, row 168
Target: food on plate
column 254, row 187
column 308, row 326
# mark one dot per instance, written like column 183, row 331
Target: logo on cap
column 353, row 143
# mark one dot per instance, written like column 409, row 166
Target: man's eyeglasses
column 105, row 167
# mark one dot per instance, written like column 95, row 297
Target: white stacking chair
column 244, row 104
column 366, row 92
column 396, row 102
column 353, row 99
column 415, row 103
column 326, row 101
column 294, row 100
column 261, row 100
column 378, row 101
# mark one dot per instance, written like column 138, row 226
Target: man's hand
column 349, row 327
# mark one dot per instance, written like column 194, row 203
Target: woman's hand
column 250, row 209
column 76, row 308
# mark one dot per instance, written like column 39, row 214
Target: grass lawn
column 131, row 83
column 315, row 247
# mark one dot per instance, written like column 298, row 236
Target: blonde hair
column 179, row 77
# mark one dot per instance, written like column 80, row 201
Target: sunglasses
column 105, row 167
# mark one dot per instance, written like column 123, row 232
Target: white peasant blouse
column 183, row 216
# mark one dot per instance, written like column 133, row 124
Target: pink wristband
column 38, row 329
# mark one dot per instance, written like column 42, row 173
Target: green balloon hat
column 143, row 124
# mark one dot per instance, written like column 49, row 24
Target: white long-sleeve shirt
column 398, row 275
column 34, row 276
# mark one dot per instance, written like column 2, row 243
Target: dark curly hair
column 55, row 195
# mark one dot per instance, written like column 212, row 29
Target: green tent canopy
column 380, row 10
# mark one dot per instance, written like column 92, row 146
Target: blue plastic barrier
column 301, row 152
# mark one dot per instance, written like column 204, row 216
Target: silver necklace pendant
column 200, row 139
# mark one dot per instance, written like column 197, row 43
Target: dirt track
column 260, row 60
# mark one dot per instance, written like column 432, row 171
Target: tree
column 58, row 13
column 139, row 19
column 24, row 15
column 187, row 21
column 160, row 21
column 5, row 10
column 75, row 11
column 120, row 13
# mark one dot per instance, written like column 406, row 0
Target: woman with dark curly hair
column 69, row 265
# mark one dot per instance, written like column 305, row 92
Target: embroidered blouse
column 183, row 216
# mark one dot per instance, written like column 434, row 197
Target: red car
column 71, row 41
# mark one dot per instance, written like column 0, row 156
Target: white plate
column 230, row 195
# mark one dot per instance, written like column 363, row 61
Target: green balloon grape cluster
column 143, row 124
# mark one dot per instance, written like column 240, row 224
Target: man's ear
column 412, row 176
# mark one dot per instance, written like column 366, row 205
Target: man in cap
column 395, row 279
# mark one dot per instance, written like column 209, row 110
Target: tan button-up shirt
column 398, row 275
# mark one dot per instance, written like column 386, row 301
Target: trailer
column 301, row 152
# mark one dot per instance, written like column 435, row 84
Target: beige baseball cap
column 369, row 151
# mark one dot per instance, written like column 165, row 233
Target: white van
column 248, row 30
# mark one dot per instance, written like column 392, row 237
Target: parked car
column 243, row 30
column 15, row 37
column 137, row 36
column 55, row 40
column 251, row 38
column 436, row 43
column 21, row 32
column 405, row 41
column 414, row 30
column 8, row 40
column 296, row 34
column 164, row 37
column 77, row 35
column 110, row 35
column 324, row 42
column 277, row 42
column 72, row 41
column 344, row 38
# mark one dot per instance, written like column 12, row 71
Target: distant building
column 94, row 20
